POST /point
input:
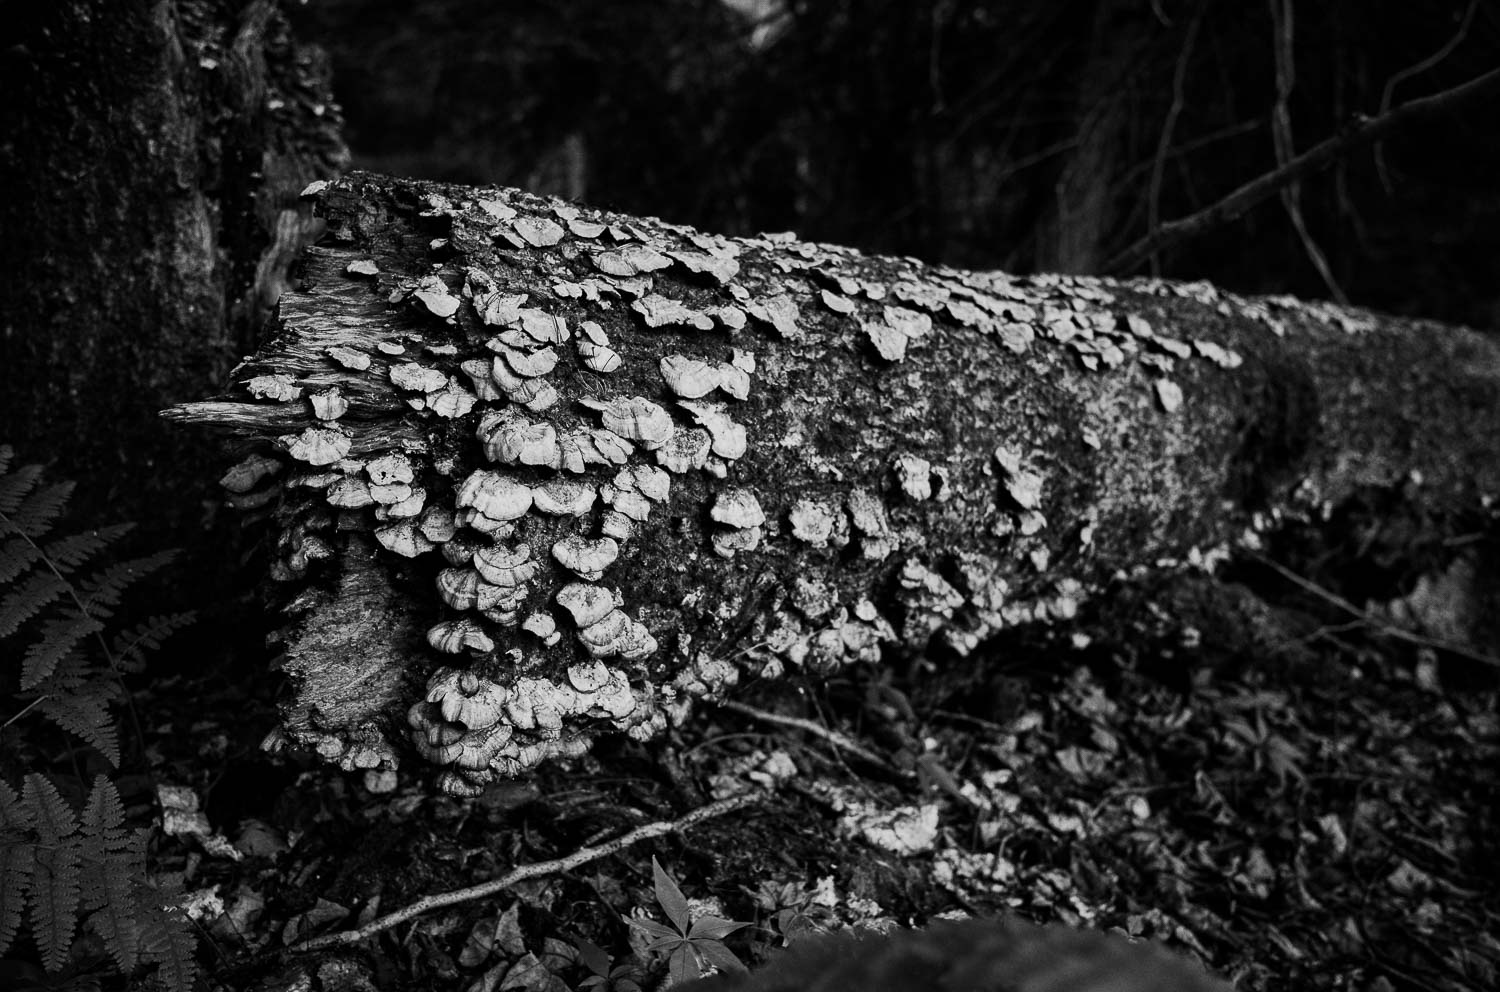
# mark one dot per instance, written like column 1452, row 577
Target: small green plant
column 1269, row 749
column 688, row 944
column 69, row 866
column 604, row 974
column 793, row 911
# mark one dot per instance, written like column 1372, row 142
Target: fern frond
column 34, row 517
column 167, row 941
column 17, row 861
column 103, row 819
column 84, row 713
column 103, row 589
column 54, row 885
column 15, row 486
column 60, row 635
column 36, row 593
column 77, row 698
column 17, row 865
column 13, row 813
column 112, row 861
column 6, row 454
column 16, row 556
column 67, row 553
column 130, row 646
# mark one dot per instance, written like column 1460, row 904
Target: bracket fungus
column 812, row 522
column 415, row 377
column 317, row 445
column 586, row 602
column 539, row 232
column 742, row 518
column 487, row 500
column 248, row 473
column 460, row 635
column 509, row 568
column 689, row 378
column 404, row 538
column 685, row 451
column 511, row 439
column 915, row 476
column 586, row 557
column 564, row 497
column 634, row 418
column 279, row 387
column 730, row 440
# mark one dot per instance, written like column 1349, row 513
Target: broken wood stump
column 538, row 472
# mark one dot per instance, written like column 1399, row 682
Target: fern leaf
column 28, row 599
column 6, row 454
column 17, row 864
column 13, row 813
column 84, row 713
column 104, row 588
column 67, row 553
column 77, row 698
column 17, row 859
column 104, row 815
column 130, row 646
column 110, row 864
column 60, row 635
column 15, row 486
column 167, row 942
column 34, row 517
column 16, row 556
column 54, row 884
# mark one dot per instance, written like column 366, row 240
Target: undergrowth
column 64, row 665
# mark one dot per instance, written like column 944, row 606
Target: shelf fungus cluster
column 597, row 442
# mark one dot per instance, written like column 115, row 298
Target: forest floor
column 1233, row 768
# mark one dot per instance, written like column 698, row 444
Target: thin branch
column 1358, row 132
column 1382, row 626
column 1169, row 126
column 1281, row 139
column 833, row 737
column 26, row 709
column 495, row 886
column 1414, row 70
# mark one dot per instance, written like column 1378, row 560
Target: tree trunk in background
column 540, row 473
column 1071, row 237
column 152, row 156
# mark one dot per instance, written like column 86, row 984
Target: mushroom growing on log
column 699, row 458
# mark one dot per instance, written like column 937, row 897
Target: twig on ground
column 497, row 885
column 833, row 737
column 1379, row 625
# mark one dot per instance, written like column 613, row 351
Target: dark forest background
column 1030, row 135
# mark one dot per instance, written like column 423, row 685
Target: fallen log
column 538, row 472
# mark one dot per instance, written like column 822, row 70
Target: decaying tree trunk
column 539, row 472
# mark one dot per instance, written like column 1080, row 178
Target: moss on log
column 539, row 472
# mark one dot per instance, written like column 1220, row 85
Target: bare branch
column 497, row 885
column 833, row 737
column 1358, row 132
column 1164, row 144
column 1416, row 70
column 1375, row 623
column 1281, row 136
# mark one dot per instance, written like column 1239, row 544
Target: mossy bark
column 937, row 456
column 152, row 154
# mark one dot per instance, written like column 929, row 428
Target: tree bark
column 928, row 457
column 152, row 158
